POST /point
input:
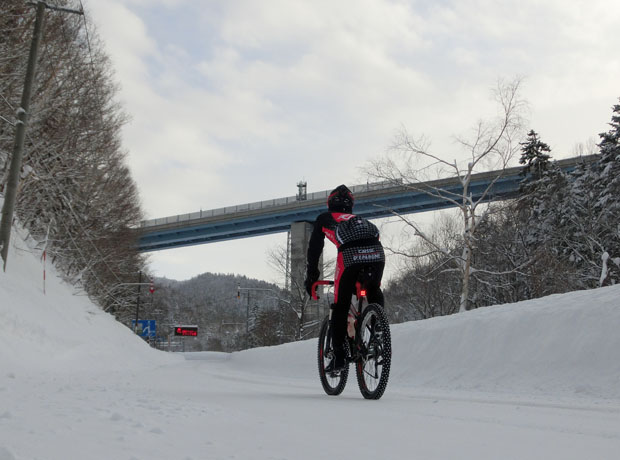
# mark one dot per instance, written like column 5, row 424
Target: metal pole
column 287, row 270
column 247, row 322
column 138, row 301
column 8, row 206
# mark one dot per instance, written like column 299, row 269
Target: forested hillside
column 232, row 312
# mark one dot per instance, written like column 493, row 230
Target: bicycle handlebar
column 319, row 283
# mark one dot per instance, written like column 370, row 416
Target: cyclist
column 359, row 254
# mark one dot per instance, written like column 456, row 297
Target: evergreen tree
column 542, row 224
column 607, row 204
column 609, row 167
column 541, row 182
column 534, row 155
column 586, row 214
column 610, row 141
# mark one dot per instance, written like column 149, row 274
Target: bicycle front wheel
column 373, row 365
column 333, row 383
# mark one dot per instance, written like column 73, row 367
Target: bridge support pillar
column 300, row 237
column 313, row 312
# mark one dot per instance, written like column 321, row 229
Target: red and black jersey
column 356, row 238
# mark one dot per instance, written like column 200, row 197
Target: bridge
column 372, row 200
column 294, row 214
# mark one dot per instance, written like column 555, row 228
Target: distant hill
column 223, row 306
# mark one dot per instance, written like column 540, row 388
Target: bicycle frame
column 354, row 310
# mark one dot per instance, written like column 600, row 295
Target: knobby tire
column 373, row 367
column 332, row 384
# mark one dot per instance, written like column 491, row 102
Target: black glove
column 311, row 277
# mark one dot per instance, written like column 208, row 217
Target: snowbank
column 57, row 329
column 561, row 345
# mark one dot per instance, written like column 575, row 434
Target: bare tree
column 411, row 164
column 307, row 312
column 589, row 147
column 77, row 196
column 425, row 289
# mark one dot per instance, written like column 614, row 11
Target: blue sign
column 146, row 327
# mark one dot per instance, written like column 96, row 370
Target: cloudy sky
column 235, row 101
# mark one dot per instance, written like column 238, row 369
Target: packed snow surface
column 533, row 380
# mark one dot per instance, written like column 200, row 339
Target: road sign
column 187, row 331
column 146, row 327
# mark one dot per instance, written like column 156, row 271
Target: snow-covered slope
column 562, row 345
column 74, row 383
column 58, row 329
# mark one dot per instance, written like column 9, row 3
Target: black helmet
column 340, row 200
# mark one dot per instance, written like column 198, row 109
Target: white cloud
column 126, row 40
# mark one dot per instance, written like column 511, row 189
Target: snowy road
column 210, row 408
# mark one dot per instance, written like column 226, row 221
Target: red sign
column 188, row 331
column 152, row 287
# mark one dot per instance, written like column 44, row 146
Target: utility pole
column 247, row 322
column 10, row 195
column 138, row 301
column 287, row 270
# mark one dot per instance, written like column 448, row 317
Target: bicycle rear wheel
column 373, row 365
column 333, row 383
